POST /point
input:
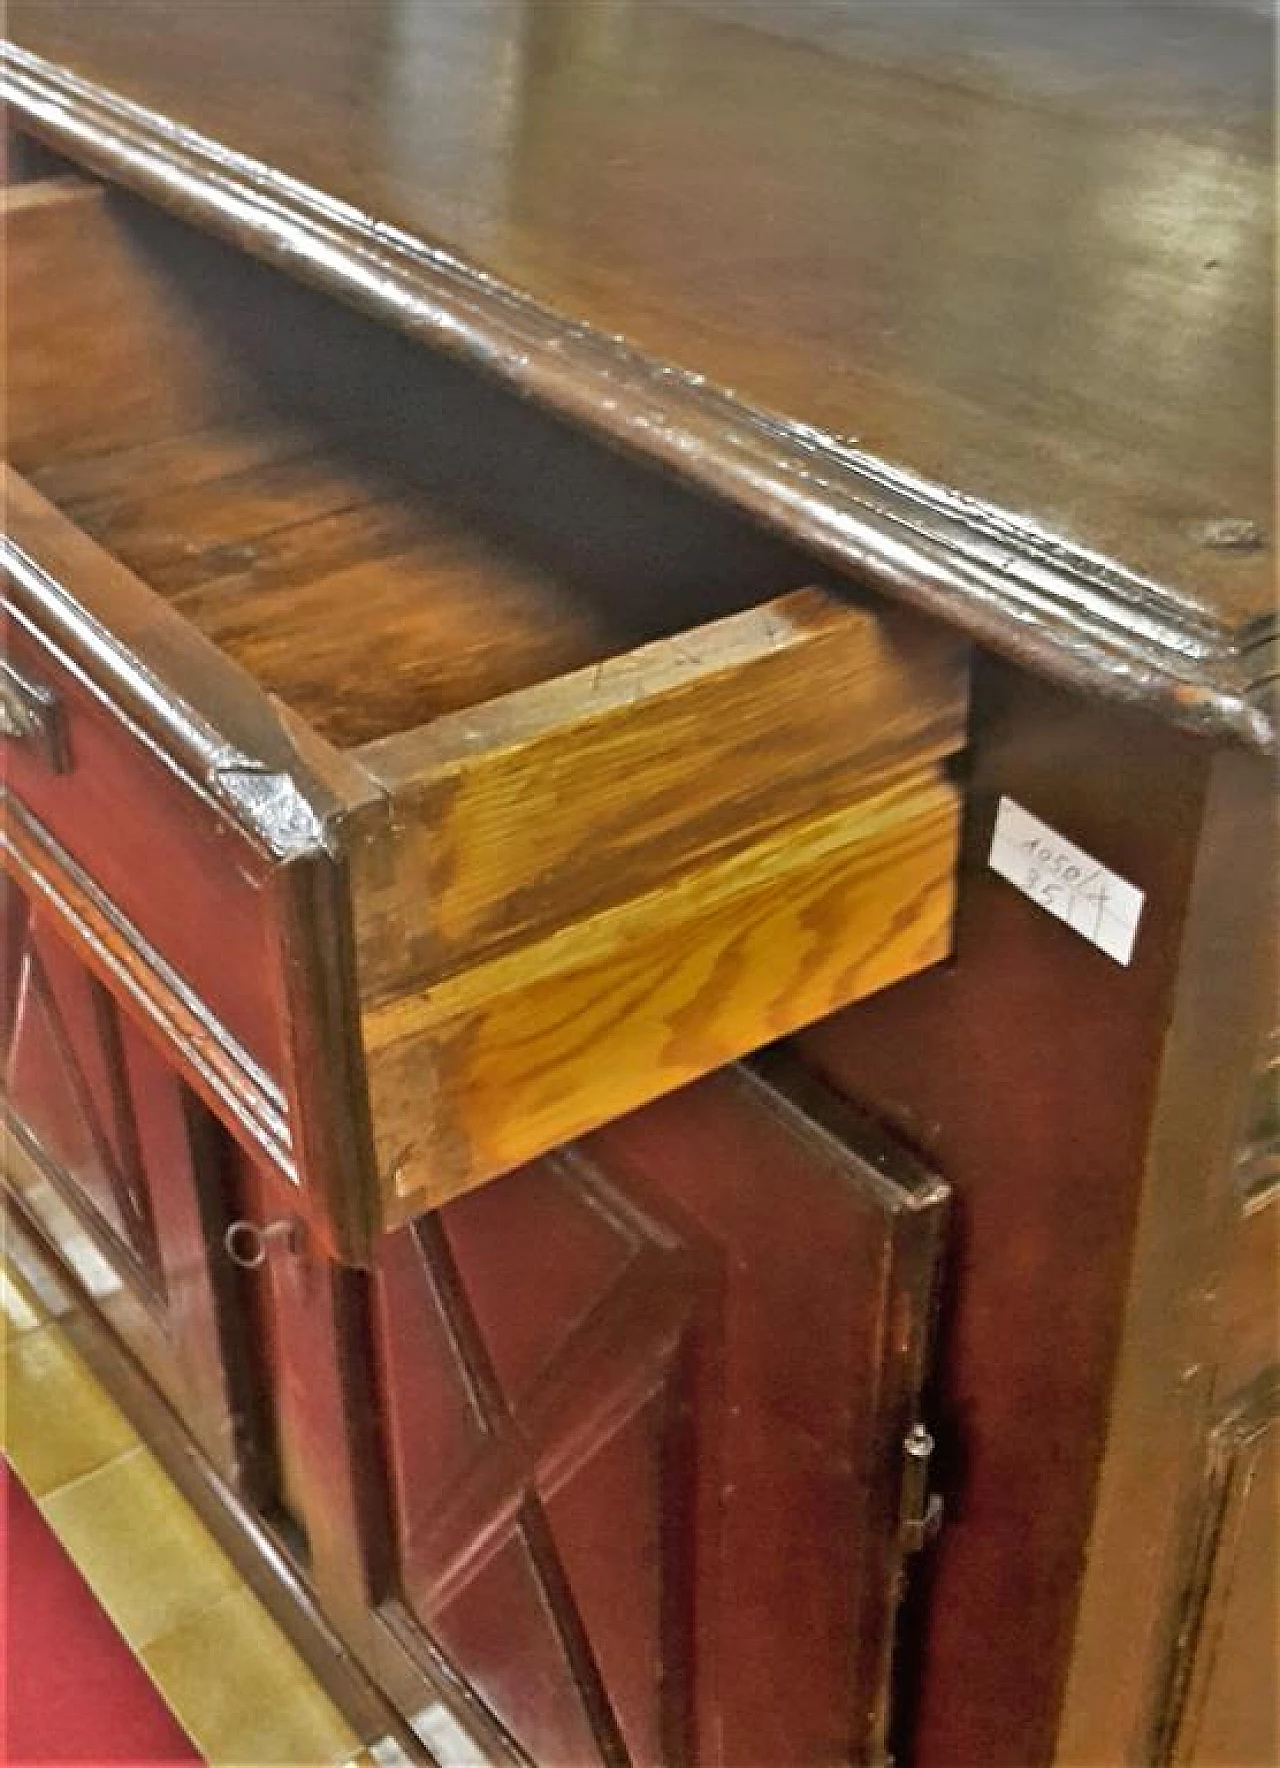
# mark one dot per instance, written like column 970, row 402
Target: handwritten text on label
column 1062, row 878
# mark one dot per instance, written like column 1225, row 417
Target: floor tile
column 76, row 1693
column 58, row 1423
column 219, row 1660
column 19, row 1309
column 145, row 1554
column 242, row 1693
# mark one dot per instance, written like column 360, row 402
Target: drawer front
column 175, row 868
column 598, row 793
column 183, row 834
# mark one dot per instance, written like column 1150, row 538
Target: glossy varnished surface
column 742, row 822
column 643, row 1400
column 1030, row 264
column 270, row 463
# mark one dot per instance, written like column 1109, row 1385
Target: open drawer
column 518, row 786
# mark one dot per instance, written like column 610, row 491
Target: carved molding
column 1056, row 607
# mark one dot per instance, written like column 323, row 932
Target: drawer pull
column 32, row 714
column 247, row 1245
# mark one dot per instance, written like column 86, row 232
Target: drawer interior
column 640, row 797
column 376, row 534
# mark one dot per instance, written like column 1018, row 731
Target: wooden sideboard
column 639, row 856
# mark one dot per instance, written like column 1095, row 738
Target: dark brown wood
column 213, row 877
column 328, row 1430
column 1057, row 1091
column 646, row 1406
column 307, row 1311
column 904, row 262
column 157, row 677
column 113, row 1153
column 487, row 550
column 23, row 160
column 495, row 709
column 1172, row 1351
column 1220, row 1707
column 995, row 335
column 261, row 553
column 65, row 393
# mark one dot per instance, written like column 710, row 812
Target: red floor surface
column 71, row 1691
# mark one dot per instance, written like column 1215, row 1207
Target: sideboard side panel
column 1027, row 1071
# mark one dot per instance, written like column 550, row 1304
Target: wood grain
column 952, row 409
column 327, row 468
column 560, row 783
column 643, row 1401
column 686, row 784
column 98, row 352
column 538, row 808
column 170, row 692
column 506, row 1059
column 231, row 937
column 868, row 277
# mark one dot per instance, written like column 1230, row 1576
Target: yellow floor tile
column 58, row 1423
column 218, row 1659
column 147, row 1557
column 242, row 1692
column 19, row 1309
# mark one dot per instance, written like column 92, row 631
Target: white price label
column 1063, row 879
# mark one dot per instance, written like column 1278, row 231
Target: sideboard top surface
column 976, row 304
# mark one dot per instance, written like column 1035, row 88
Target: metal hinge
column 921, row 1514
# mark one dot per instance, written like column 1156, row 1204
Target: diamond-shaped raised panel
column 55, row 1104
column 536, row 1254
column 499, row 1625
column 67, row 1079
column 87, row 1023
column 575, row 1472
column 123, row 1170
column 436, row 1433
column 622, row 1534
column 699, row 1469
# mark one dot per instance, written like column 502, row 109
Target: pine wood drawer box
column 411, row 749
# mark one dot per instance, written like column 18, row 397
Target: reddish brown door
column 122, row 1168
column 645, row 1406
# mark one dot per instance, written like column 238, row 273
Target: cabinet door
column 645, row 1406
column 122, row 1168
